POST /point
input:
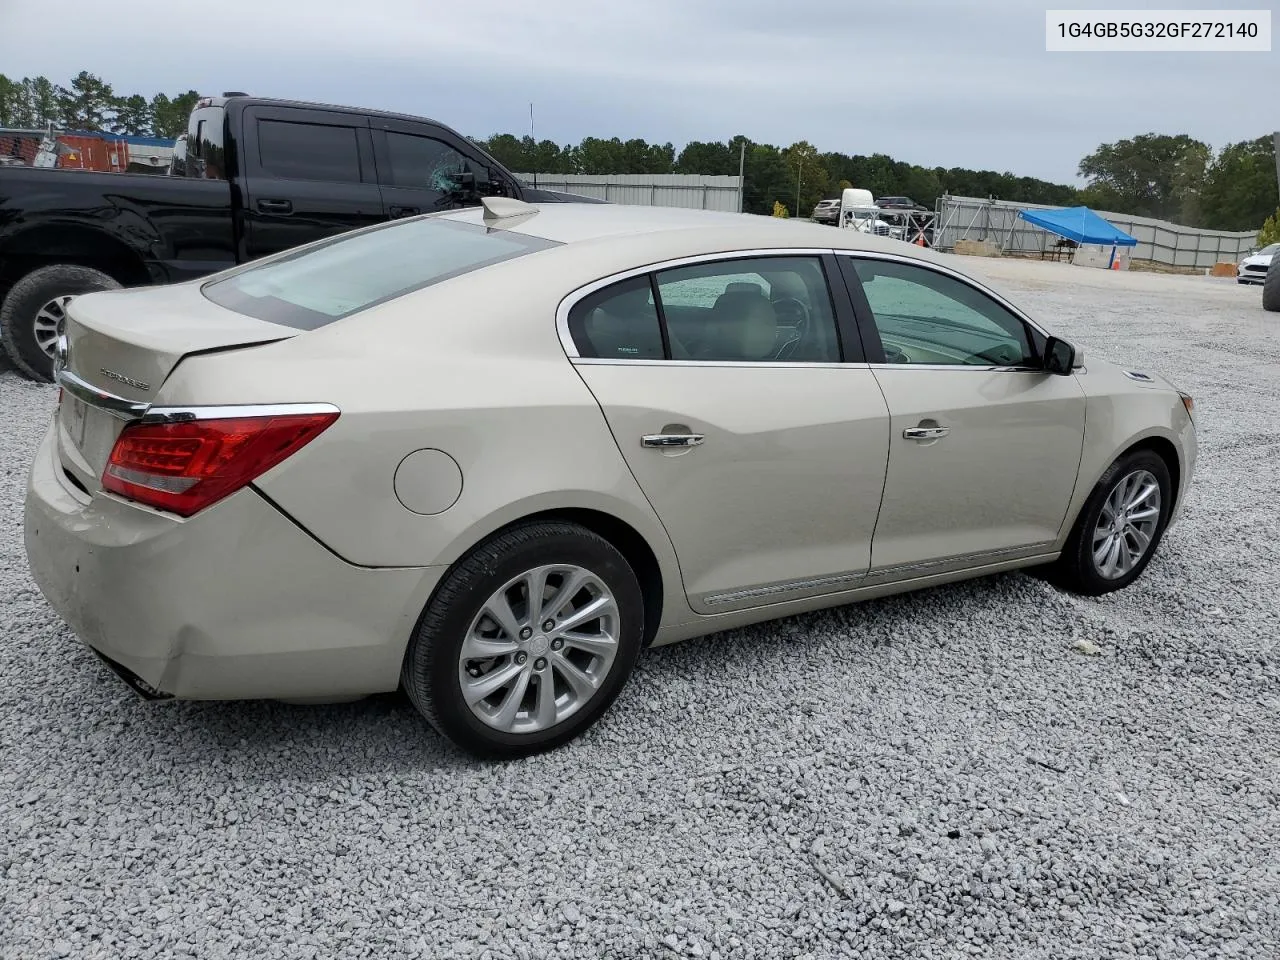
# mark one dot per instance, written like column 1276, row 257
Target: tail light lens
column 185, row 467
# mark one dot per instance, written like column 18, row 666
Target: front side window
column 759, row 309
column 927, row 317
column 308, row 151
column 356, row 271
column 426, row 164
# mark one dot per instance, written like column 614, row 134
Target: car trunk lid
column 120, row 347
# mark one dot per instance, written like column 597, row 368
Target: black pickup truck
column 251, row 177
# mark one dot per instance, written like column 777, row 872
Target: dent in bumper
column 236, row 602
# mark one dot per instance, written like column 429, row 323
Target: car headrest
column 743, row 286
column 746, row 324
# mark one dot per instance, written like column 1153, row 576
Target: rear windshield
column 353, row 272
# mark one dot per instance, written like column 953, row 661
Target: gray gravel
column 938, row 775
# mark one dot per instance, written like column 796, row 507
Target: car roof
column 714, row 231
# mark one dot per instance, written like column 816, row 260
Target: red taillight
column 185, row 467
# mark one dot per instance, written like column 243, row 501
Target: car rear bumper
column 235, row 602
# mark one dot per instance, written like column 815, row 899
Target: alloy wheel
column 1127, row 524
column 49, row 323
column 539, row 649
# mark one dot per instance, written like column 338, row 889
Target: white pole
column 741, row 169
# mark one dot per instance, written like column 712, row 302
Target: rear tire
column 1078, row 569
column 458, row 643
column 1271, row 286
column 34, row 305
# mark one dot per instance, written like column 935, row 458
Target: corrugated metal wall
column 972, row 218
column 689, row 190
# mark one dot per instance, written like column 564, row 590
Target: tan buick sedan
column 489, row 455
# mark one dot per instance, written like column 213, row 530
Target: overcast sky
column 934, row 82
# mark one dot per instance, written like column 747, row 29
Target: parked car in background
column 827, row 211
column 295, row 478
column 899, row 203
column 251, row 177
column 1253, row 268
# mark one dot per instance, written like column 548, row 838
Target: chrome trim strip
column 773, row 364
column 187, row 414
column 100, row 399
column 955, row 366
column 787, row 587
column 571, row 299
column 1030, row 549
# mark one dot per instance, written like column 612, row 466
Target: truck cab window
column 423, row 163
column 308, row 151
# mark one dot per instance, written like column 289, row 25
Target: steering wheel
column 799, row 313
column 798, row 321
column 894, row 354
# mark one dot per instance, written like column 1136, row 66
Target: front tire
column 527, row 641
column 1119, row 527
column 1271, row 286
column 34, row 312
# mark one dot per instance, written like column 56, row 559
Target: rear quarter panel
column 455, row 368
column 181, row 227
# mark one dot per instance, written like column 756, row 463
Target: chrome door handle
column 672, row 439
column 925, row 433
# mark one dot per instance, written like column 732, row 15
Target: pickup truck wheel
column 1271, row 287
column 34, row 312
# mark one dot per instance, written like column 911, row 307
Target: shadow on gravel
column 262, row 740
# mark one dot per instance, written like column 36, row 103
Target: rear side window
column 619, row 322
column 205, row 154
column 356, row 271
column 308, row 151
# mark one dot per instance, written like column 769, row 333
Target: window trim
column 871, row 333
column 653, row 269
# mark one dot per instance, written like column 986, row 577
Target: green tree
column 89, row 104
column 169, row 117
column 1150, row 175
column 132, row 116
column 1270, row 232
column 1240, row 186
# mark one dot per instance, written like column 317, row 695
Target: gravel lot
column 936, row 775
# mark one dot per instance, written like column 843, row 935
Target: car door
column 309, row 174
column 985, row 445
column 762, row 453
column 420, row 167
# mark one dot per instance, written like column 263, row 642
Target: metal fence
column 997, row 221
column 689, row 190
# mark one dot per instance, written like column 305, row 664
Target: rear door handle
column 672, row 439
column 925, row 433
column 397, row 212
column 275, row 206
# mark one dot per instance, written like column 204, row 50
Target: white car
column 1253, row 268
column 489, row 455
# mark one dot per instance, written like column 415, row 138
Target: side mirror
column 1059, row 357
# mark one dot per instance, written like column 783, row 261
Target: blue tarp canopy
column 1079, row 224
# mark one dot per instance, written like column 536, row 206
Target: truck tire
column 33, row 309
column 1271, row 287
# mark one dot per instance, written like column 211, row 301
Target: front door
column 763, row 454
column 309, row 174
column 420, row 167
column 984, row 445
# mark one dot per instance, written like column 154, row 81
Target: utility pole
column 799, row 179
column 1277, row 142
column 741, row 169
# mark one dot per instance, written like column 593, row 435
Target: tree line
column 1175, row 178
column 1168, row 177
column 89, row 103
